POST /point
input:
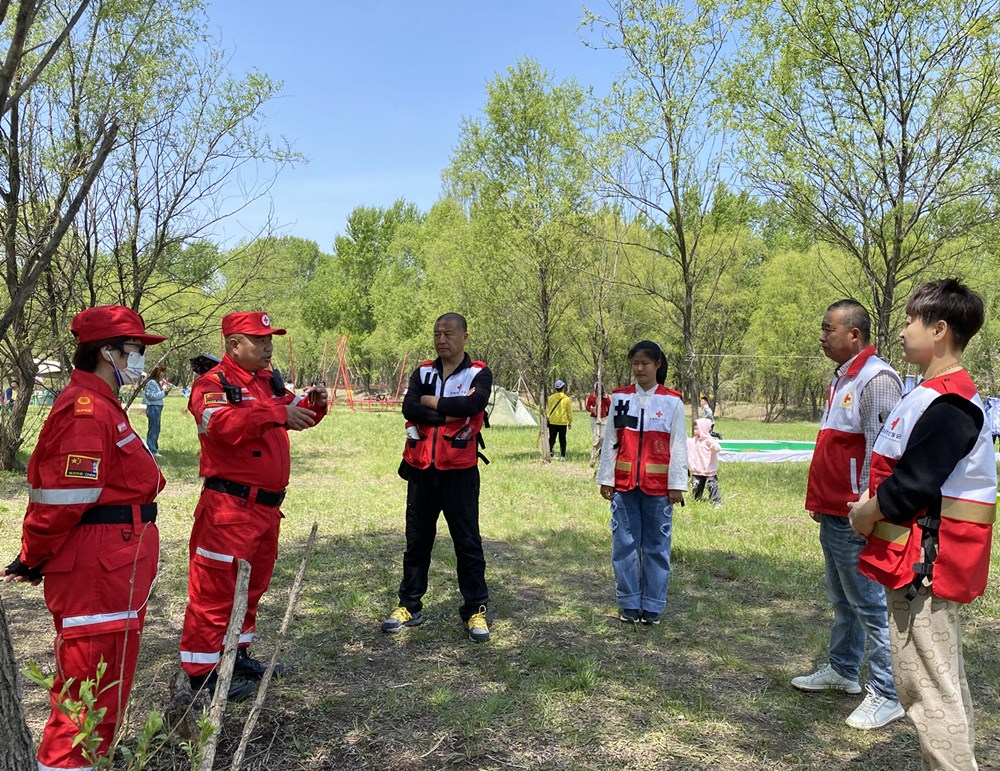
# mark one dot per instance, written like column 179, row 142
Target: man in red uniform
column 90, row 529
column 243, row 413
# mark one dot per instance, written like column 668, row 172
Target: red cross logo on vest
column 659, row 413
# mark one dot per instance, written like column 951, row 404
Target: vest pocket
column 889, row 555
column 961, row 569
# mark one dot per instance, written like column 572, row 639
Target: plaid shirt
column 877, row 400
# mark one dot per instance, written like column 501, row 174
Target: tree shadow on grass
column 564, row 684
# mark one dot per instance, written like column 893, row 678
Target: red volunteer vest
column 643, row 459
column 455, row 444
column 839, row 457
column 968, row 504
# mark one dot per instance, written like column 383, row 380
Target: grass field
column 562, row 684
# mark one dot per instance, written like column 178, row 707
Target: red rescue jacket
column 244, row 441
column 87, row 455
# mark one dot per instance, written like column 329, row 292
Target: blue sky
column 375, row 92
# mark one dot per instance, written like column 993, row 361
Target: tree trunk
column 16, row 752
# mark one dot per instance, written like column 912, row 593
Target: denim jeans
column 859, row 609
column 153, row 413
column 454, row 493
column 640, row 549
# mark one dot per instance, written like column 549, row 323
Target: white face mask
column 134, row 366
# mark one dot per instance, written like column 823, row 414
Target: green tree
column 663, row 127
column 345, row 295
column 523, row 169
column 877, row 124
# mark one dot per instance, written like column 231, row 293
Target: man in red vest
column 864, row 391
column 445, row 409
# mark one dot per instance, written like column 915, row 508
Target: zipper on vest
column 638, row 460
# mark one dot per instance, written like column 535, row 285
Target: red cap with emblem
column 106, row 322
column 248, row 323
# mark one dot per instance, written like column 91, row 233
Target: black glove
column 18, row 568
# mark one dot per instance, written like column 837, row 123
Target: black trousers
column 698, row 488
column 455, row 493
column 557, row 431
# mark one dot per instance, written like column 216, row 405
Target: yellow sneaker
column 478, row 630
column 401, row 617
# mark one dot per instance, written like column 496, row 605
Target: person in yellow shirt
column 560, row 417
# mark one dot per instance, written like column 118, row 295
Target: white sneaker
column 826, row 678
column 875, row 711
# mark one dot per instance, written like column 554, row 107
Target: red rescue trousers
column 226, row 530
column 96, row 589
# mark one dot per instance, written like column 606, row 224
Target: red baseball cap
column 248, row 323
column 108, row 321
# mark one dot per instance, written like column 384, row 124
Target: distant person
column 929, row 520
column 445, row 409
column 598, row 417
column 90, row 532
column 559, row 413
column 864, row 391
column 706, row 410
column 10, row 395
column 643, row 472
column 703, row 461
column 152, row 397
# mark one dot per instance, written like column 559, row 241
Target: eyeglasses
column 140, row 346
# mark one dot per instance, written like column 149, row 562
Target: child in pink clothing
column 703, row 460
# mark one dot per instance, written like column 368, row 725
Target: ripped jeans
column 640, row 549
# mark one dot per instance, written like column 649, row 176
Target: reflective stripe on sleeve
column 71, row 622
column 194, row 657
column 206, row 416
column 43, row 767
column 126, row 440
column 214, row 555
column 246, row 637
column 64, row 496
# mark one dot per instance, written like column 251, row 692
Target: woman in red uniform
column 90, row 529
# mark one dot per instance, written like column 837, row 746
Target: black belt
column 117, row 515
column 264, row 497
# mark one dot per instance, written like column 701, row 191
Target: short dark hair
column 85, row 357
column 457, row 318
column 654, row 352
column 855, row 316
column 951, row 301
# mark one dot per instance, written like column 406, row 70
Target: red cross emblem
column 659, row 414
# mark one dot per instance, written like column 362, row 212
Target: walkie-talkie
column 277, row 384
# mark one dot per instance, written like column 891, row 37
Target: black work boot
column 238, row 690
column 247, row 666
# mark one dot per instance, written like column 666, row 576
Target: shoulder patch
column 82, row 466
column 215, row 397
column 84, row 405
